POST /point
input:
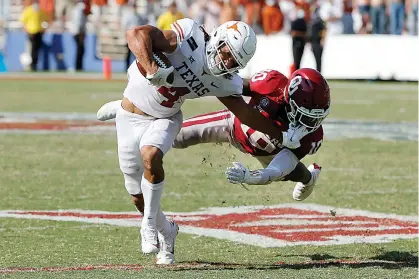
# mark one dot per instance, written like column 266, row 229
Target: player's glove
column 160, row 78
column 237, row 174
column 291, row 138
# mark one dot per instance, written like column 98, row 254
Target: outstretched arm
column 281, row 166
column 251, row 117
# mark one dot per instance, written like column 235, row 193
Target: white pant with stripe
column 213, row 127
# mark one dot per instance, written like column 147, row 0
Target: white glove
column 160, row 77
column 291, row 138
column 237, row 174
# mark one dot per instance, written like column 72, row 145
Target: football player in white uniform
column 149, row 116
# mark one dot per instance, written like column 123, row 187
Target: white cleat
column 302, row 191
column 108, row 110
column 167, row 250
column 149, row 241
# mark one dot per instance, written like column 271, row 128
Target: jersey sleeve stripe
column 179, row 30
column 192, row 121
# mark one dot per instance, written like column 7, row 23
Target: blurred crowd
column 265, row 16
column 305, row 20
column 275, row 16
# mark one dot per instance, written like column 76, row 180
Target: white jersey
column 192, row 79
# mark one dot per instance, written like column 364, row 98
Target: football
column 162, row 61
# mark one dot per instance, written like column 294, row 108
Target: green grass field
column 80, row 171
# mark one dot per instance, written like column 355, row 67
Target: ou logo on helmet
column 294, row 85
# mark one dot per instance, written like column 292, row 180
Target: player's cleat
column 108, row 110
column 167, row 248
column 302, row 191
column 149, row 241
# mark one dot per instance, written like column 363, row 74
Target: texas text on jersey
column 192, row 78
column 267, row 95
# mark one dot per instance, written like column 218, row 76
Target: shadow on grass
column 388, row 260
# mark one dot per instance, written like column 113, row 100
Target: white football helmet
column 240, row 40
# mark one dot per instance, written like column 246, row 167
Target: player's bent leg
column 108, row 110
column 305, row 186
column 153, row 145
column 153, row 163
column 205, row 128
column 129, row 128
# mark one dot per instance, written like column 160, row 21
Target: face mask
column 35, row 6
column 300, row 14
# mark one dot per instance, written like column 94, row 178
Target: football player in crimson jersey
column 304, row 100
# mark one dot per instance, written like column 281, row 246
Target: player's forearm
column 282, row 165
column 140, row 44
column 263, row 176
column 257, row 121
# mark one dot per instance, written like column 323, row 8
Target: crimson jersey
column 268, row 98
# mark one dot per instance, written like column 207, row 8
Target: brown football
column 162, row 61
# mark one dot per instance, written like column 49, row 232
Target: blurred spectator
column 34, row 22
column 288, row 11
column 364, row 9
column 228, row 11
column 305, row 6
column 347, row 19
column 183, row 5
column 412, row 13
column 4, row 11
column 98, row 6
column 212, row 15
column 378, row 16
column 48, row 7
column 78, row 19
column 129, row 19
column 63, row 9
column 196, row 11
column 331, row 13
column 253, row 10
column 397, row 16
column 272, row 18
column 167, row 18
column 317, row 32
column 299, row 35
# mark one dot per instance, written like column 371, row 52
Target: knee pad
column 133, row 182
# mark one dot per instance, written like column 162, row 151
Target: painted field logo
column 265, row 226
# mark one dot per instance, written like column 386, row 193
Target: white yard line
column 333, row 128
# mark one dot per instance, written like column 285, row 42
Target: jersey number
column 315, row 146
column 260, row 75
column 172, row 94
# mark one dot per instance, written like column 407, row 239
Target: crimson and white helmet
column 308, row 95
column 241, row 42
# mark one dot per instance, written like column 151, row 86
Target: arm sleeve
column 281, row 165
